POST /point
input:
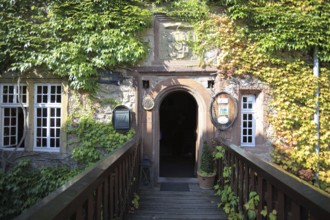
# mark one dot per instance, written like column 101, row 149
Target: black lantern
column 145, row 84
column 210, row 84
column 121, row 119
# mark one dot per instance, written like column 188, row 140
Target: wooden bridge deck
column 192, row 204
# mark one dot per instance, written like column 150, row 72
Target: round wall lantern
column 223, row 110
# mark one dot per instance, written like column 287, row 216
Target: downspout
column 316, row 73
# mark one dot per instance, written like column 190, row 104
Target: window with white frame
column 47, row 116
column 248, row 121
column 11, row 113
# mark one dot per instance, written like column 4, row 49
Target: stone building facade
column 169, row 95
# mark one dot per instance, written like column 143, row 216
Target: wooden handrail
column 104, row 191
column 291, row 197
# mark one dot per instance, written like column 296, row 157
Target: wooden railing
column 105, row 191
column 278, row 190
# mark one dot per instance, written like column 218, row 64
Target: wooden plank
column 252, row 181
column 241, row 183
column 112, row 195
column 90, row 207
column 99, row 204
column 269, row 197
column 280, row 207
column 106, row 198
column 295, row 211
column 311, row 198
column 236, row 175
column 260, row 191
column 193, row 204
column 79, row 213
column 246, row 183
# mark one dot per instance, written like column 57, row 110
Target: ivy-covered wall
column 269, row 40
column 248, row 85
column 100, row 105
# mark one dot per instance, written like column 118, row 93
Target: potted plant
column 206, row 172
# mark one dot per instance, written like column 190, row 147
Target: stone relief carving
column 174, row 46
column 178, row 48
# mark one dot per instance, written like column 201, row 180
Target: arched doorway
column 178, row 127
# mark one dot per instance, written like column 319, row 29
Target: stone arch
column 202, row 96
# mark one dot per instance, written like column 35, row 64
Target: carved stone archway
column 150, row 119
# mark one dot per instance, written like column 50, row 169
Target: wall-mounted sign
column 223, row 110
column 121, row 118
column 148, row 103
column 110, row 77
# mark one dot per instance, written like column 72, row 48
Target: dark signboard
column 121, row 118
column 223, row 110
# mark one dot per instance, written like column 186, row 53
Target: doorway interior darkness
column 178, row 124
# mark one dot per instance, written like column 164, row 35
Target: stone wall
column 101, row 105
column 75, row 105
column 170, row 62
column 243, row 85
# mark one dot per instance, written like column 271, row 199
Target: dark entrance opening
column 178, row 124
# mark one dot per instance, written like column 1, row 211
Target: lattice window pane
column 55, row 95
column 48, row 113
column 248, row 121
column 10, row 127
column 11, row 114
column 10, row 94
column 42, row 94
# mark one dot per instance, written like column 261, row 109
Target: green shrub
column 96, row 139
column 207, row 162
column 22, row 186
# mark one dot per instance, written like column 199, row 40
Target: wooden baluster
column 252, row 181
column 305, row 214
column 231, row 164
column 116, row 192
column 79, row 213
column 269, row 197
column 220, row 172
column 90, row 207
column 127, row 179
column 99, row 204
column 122, row 185
column 260, row 191
column 119, row 187
column 246, row 185
column 295, row 211
column 236, row 175
column 241, row 184
column 280, row 207
column 311, row 217
column 106, row 208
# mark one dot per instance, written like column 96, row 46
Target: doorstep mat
column 174, row 187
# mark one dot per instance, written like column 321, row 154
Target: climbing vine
column 271, row 40
column 23, row 186
column 189, row 10
column 90, row 138
column 279, row 52
column 96, row 139
column 71, row 38
column 229, row 201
